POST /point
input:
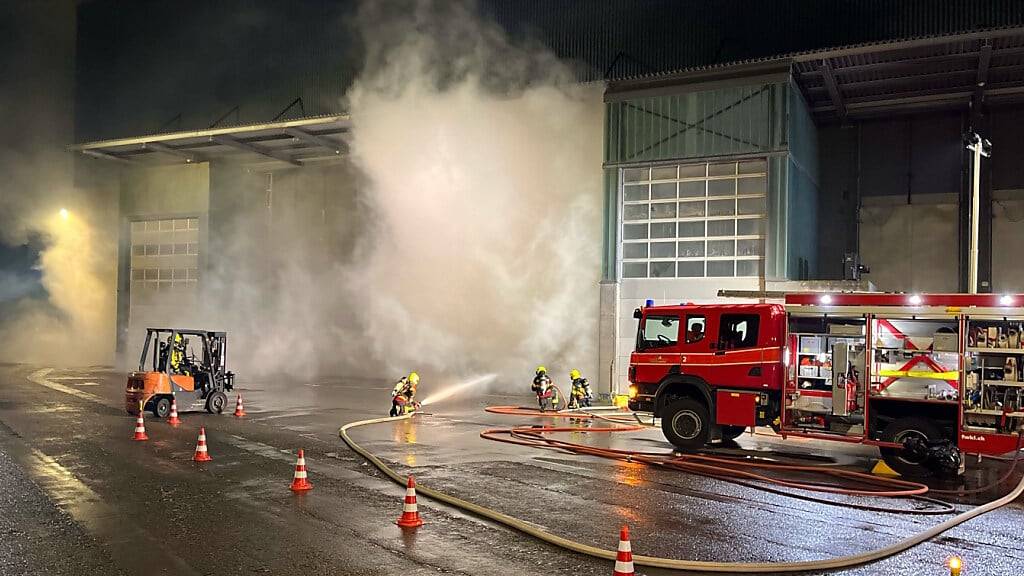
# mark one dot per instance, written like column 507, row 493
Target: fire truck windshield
column 658, row 332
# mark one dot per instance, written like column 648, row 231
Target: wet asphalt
column 79, row 496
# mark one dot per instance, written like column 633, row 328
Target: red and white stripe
column 410, row 517
column 201, row 454
column 299, row 481
column 239, row 410
column 140, row 428
column 410, row 500
column 174, row 420
column 624, row 557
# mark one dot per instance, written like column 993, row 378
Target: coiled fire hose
column 672, row 563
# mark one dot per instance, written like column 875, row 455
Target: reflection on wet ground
column 346, row 524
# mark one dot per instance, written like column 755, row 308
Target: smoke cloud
column 56, row 270
column 464, row 238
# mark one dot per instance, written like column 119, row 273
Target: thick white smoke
column 70, row 320
column 483, row 168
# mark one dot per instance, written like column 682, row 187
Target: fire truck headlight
column 1006, row 300
column 632, row 391
column 826, row 299
column 915, row 299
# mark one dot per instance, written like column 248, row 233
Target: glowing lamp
column 915, row 299
column 826, row 299
column 955, row 565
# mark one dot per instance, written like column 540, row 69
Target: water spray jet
column 454, row 389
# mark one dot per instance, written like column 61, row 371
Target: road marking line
column 112, row 529
column 40, row 377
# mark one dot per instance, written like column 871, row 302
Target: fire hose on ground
column 672, row 563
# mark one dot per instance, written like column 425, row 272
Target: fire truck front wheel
column 686, row 423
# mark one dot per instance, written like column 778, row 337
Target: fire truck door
column 737, row 352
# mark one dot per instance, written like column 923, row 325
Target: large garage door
column 694, row 220
column 164, row 271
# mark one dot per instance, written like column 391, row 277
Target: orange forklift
column 175, row 371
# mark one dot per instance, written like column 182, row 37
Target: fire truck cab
column 923, row 377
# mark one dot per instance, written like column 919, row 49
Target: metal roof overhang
column 302, row 142
column 916, row 75
column 876, row 79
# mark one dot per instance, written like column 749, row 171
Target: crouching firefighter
column 544, row 388
column 403, row 395
column 580, row 395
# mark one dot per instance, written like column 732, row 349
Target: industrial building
column 746, row 145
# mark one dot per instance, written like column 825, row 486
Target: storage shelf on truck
column 996, row 350
column 986, row 412
column 913, row 399
column 1003, row 383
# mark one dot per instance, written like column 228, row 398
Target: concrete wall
column 181, row 190
column 900, row 178
column 911, row 247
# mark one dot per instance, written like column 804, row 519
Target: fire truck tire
column 162, row 407
column 686, row 423
column 904, row 461
column 215, row 402
column 732, row 432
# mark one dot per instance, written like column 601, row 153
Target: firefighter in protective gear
column 177, row 348
column 541, row 381
column 580, row 395
column 397, row 393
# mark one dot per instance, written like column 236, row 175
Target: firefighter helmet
column 541, row 370
column 574, row 374
column 414, row 378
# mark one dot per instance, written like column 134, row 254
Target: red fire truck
column 925, row 377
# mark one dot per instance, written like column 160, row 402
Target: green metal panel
column 611, row 224
column 722, row 122
column 777, row 238
column 802, row 188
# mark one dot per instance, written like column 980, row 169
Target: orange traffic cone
column 299, row 481
column 140, row 428
column 201, row 454
column 410, row 513
column 624, row 558
column 239, row 411
column 174, row 420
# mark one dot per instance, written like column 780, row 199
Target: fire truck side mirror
column 637, row 314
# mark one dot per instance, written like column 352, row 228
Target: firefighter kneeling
column 544, row 388
column 403, row 395
column 580, row 396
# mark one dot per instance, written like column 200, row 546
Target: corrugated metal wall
column 722, row 122
column 142, row 63
column 802, row 184
column 764, row 119
column 628, row 38
column 729, row 121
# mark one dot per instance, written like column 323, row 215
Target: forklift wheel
column 162, row 407
column 215, row 402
